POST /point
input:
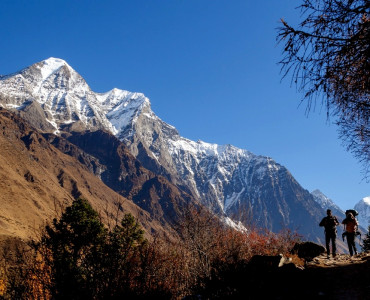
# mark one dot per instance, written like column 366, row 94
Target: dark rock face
column 70, row 149
column 109, row 158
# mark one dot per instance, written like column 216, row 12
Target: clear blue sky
column 209, row 68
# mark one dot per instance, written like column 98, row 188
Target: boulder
column 307, row 250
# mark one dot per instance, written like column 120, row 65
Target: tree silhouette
column 76, row 243
column 123, row 261
column 87, row 260
column 328, row 56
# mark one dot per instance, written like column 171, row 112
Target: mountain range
column 118, row 138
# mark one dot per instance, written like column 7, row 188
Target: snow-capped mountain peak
column 363, row 208
column 323, row 200
column 230, row 181
column 327, row 203
column 51, row 65
column 66, row 98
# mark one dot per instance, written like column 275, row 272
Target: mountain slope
column 230, row 181
column 37, row 181
column 110, row 160
column 327, row 203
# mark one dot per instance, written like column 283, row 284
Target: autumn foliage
column 77, row 257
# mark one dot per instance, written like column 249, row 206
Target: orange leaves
column 205, row 253
column 2, row 287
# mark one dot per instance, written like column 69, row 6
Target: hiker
column 350, row 227
column 330, row 224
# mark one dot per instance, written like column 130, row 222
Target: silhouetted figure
column 350, row 226
column 330, row 224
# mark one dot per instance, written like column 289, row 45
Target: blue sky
column 209, row 68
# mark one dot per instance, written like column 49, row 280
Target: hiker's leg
column 354, row 243
column 327, row 241
column 349, row 246
column 350, row 243
column 333, row 244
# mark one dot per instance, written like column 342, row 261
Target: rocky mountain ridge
column 230, row 181
column 327, row 203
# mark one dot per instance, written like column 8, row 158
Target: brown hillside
column 37, row 181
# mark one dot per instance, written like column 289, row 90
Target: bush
column 78, row 258
column 218, row 254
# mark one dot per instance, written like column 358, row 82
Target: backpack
column 354, row 212
column 330, row 223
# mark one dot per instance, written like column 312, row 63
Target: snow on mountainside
column 327, row 203
column 227, row 179
column 231, row 181
column 66, row 98
column 363, row 208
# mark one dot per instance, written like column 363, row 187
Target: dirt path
column 344, row 277
column 340, row 260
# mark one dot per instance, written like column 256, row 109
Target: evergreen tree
column 123, row 256
column 76, row 243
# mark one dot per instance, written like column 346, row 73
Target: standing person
column 350, row 226
column 330, row 224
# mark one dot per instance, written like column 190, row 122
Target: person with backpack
column 330, row 224
column 350, row 227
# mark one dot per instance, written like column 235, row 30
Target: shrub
column 78, row 258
